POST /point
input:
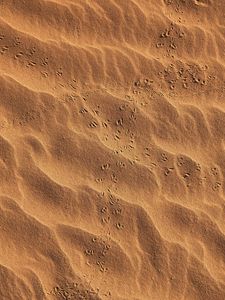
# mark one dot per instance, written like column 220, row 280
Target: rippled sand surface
column 112, row 149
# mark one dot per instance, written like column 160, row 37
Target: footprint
column 122, row 107
column 198, row 167
column 16, row 42
column 31, row 64
column 164, row 157
column 33, row 50
column 168, row 171
column 18, row 55
column 180, row 161
column 105, row 166
column 44, row 62
column 119, row 122
column 83, row 110
column 159, row 45
column 214, row 171
column 121, row 164
column 59, row 72
column 44, row 74
column 93, row 124
column 119, row 226
column 216, row 186
column 4, row 49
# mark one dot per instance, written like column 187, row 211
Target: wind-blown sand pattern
column 112, row 149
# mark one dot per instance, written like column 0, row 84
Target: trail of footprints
column 33, row 57
column 169, row 39
column 21, row 120
column 125, row 144
column 96, row 252
column 25, row 52
column 73, row 291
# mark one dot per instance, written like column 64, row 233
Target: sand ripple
column 112, row 156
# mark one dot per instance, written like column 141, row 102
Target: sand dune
column 112, row 153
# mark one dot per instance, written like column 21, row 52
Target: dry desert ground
column 112, row 150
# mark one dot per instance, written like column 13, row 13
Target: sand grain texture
column 112, row 149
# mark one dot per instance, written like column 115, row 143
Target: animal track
column 4, row 49
column 21, row 120
column 73, row 291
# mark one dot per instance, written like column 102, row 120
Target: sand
column 112, row 149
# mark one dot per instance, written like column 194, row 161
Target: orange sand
column 112, row 149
